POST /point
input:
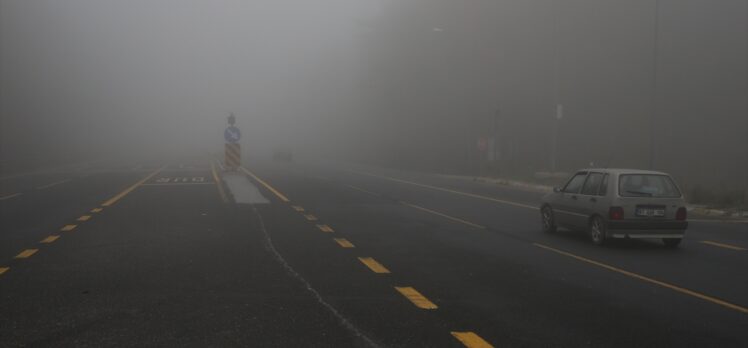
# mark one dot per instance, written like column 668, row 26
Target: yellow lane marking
column 373, row 265
column 466, row 194
column 67, row 228
column 325, row 228
column 310, row 217
column 444, row 216
column 471, row 340
column 10, row 196
column 26, row 253
column 52, row 184
column 722, row 245
column 363, row 190
column 131, row 188
column 50, row 239
column 344, row 243
column 96, row 210
column 648, row 280
column 297, row 208
column 4, row 269
column 281, row 196
column 218, row 183
column 416, row 297
column 84, row 218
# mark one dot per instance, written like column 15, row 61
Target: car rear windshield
column 647, row 185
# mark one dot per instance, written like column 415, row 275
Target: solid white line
column 292, row 272
column 181, row 184
column 52, row 184
column 521, row 205
column 10, row 196
column 739, row 221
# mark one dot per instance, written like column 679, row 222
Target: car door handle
column 593, row 199
column 574, row 197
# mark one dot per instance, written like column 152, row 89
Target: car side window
column 592, row 185
column 603, row 186
column 575, row 183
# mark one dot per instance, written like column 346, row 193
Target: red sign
column 482, row 144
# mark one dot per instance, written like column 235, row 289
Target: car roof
column 622, row 171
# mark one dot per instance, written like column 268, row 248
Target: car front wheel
column 597, row 230
column 546, row 217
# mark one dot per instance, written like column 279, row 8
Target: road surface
column 341, row 255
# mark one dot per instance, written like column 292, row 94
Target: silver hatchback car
column 618, row 203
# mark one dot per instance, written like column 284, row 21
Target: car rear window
column 647, row 185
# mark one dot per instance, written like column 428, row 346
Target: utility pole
column 495, row 149
column 745, row 194
column 655, row 61
column 554, row 146
column 556, row 86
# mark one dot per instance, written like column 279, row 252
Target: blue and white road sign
column 232, row 134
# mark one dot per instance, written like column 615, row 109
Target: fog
column 409, row 84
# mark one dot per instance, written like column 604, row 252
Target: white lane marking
column 243, row 190
column 343, row 320
column 181, row 184
column 10, row 196
column 52, row 184
column 466, row 194
column 739, row 221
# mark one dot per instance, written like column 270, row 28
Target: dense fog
column 415, row 84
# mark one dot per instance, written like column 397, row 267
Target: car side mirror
column 556, row 189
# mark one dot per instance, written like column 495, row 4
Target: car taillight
column 616, row 213
column 681, row 214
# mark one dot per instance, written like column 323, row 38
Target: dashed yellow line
column 416, row 297
column 217, row 179
column 649, row 280
column 67, row 228
column 310, row 217
column 131, row 188
column 50, row 239
column 344, row 243
column 96, row 210
column 373, row 265
column 297, row 208
column 722, row 245
column 470, row 339
column 444, row 215
column 466, row 194
column 325, row 228
column 3, row 270
column 26, row 253
column 277, row 193
column 84, row 218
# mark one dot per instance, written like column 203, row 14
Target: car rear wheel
column 546, row 217
column 597, row 230
column 671, row 242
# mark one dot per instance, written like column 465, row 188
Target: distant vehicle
column 618, row 203
column 283, row 155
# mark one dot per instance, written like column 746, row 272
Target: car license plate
column 650, row 212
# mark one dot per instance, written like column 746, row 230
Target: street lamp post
column 554, row 146
column 655, row 59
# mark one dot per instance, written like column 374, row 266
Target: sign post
column 233, row 153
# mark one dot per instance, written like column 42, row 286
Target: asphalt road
column 344, row 255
